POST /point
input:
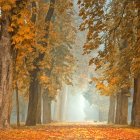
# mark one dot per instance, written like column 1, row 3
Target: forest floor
column 73, row 131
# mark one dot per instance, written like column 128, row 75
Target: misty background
column 80, row 102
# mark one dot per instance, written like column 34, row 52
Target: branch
column 115, row 28
column 49, row 17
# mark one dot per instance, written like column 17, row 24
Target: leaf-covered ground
column 71, row 132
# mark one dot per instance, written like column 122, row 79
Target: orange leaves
column 109, row 34
column 44, row 80
column 23, row 40
column 104, row 89
column 25, row 33
column 58, row 54
column 30, row 41
column 7, row 5
column 100, row 86
column 114, row 80
column 87, row 48
column 77, row 131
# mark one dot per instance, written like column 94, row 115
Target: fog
column 72, row 103
column 80, row 102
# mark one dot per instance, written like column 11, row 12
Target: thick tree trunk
column 33, row 100
column 38, row 117
column 122, row 108
column 17, row 105
column 34, row 84
column 33, row 92
column 136, row 104
column 111, row 113
column 135, row 116
column 6, row 73
column 46, row 109
column 118, row 108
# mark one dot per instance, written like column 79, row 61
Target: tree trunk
column 38, row 117
column 33, row 100
column 6, row 72
column 17, row 105
column 136, row 104
column 46, row 109
column 57, row 106
column 63, row 102
column 122, row 108
column 33, row 91
column 135, row 115
column 111, row 114
column 23, row 116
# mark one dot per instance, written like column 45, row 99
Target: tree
column 30, row 58
column 33, row 92
column 51, row 42
column 135, row 108
column 60, row 43
column 6, row 62
column 111, row 114
column 111, row 34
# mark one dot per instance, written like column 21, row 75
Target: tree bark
column 111, row 114
column 57, row 106
column 63, row 103
column 34, row 83
column 23, row 112
column 38, row 119
column 46, row 108
column 122, row 108
column 33, row 100
column 33, row 92
column 6, row 72
column 135, row 121
column 23, row 116
column 135, row 115
column 17, row 105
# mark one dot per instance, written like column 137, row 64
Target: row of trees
column 36, row 37
column 114, row 32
